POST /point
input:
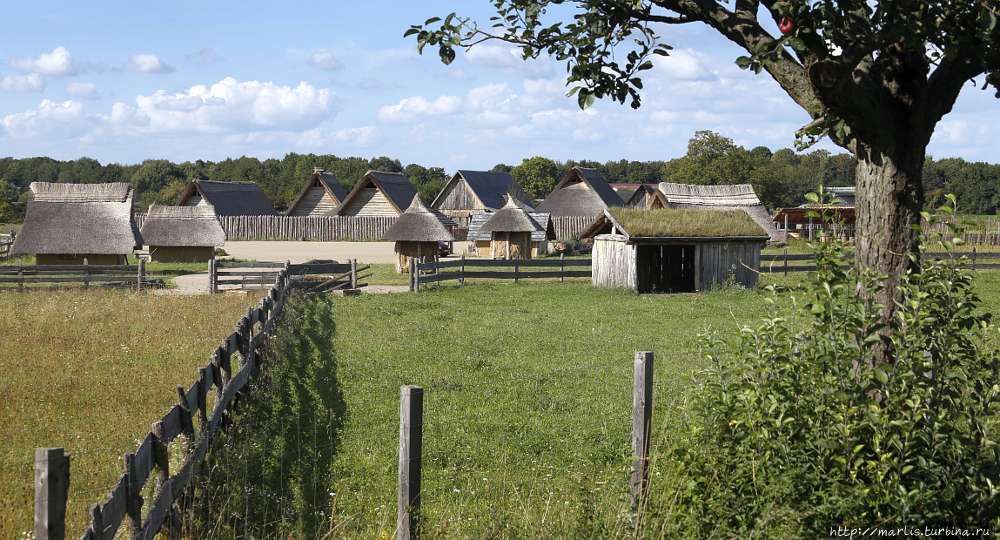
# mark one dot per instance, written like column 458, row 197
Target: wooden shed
column 675, row 250
column 474, row 192
column 512, row 232
column 182, row 233
column 321, row 196
column 228, row 198
column 580, row 192
column 378, row 194
column 417, row 233
column 70, row 223
column 540, row 238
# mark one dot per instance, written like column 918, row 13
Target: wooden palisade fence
column 411, row 420
column 515, row 269
column 132, row 276
column 124, row 502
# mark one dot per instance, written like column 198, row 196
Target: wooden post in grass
column 86, row 274
column 786, row 262
column 562, row 267
column 211, row 276
column 413, row 271
column 161, row 455
column 411, row 419
column 516, row 264
column 354, row 273
column 461, row 275
column 142, row 274
column 51, row 492
column 642, row 412
column 133, row 497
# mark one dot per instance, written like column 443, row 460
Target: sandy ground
column 300, row 252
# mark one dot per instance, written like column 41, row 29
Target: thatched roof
column 182, row 226
column 230, row 198
column 420, row 224
column 513, row 217
column 545, row 232
column 735, row 196
column 80, row 193
column 491, row 188
column 325, row 180
column 77, row 228
column 686, row 223
column 581, row 192
column 396, row 187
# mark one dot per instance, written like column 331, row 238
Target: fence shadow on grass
column 273, row 475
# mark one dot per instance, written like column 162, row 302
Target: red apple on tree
column 786, row 25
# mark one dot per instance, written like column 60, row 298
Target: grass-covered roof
column 686, row 223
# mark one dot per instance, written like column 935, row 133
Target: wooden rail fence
column 236, row 275
column 124, row 503
column 459, row 270
column 779, row 263
column 6, row 243
column 131, row 276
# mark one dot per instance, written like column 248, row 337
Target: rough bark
column 890, row 198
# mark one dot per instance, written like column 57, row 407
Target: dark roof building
column 378, row 194
column 228, row 198
column 581, row 192
column 469, row 192
column 320, row 196
column 67, row 223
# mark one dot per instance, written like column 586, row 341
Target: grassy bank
column 89, row 371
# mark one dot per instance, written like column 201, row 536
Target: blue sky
column 185, row 80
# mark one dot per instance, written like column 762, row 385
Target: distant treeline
column 781, row 178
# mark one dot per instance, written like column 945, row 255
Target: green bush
column 798, row 429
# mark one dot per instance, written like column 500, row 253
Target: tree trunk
column 890, row 197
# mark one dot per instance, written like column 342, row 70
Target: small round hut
column 510, row 230
column 417, row 233
column 182, row 233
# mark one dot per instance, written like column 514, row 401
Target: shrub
column 798, row 429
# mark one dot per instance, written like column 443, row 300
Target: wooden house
column 580, row 192
column 482, row 242
column 228, row 198
column 378, row 194
column 417, row 233
column 720, row 197
column 475, row 192
column 182, row 233
column 646, row 197
column 675, row 250
column 69, row 223
column 512, row 232
column 321, row 196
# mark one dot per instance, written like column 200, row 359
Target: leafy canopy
column 858, row 67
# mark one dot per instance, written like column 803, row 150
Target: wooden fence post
column 51, row 491
column 642, row 412
column 515, row 270
column 211, row 276
column 86, row 274
column 786, row 262
column 562, row 267
column 461, row 275
column 133, row 498
column 354, row 273
column 411, row 419
column 973, row 258
column 20, row 278
column 142, row 274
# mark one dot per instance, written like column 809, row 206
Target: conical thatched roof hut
column 417, row 233
column 182, row 233
column 68, row 223
column 510, row 229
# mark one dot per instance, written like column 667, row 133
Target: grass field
column 89, row 371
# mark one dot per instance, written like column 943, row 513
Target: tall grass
column 89, row 371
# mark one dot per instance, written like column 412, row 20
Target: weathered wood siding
column 614, row 263
column 180, row 254
column 370, row 202
column 422, row 251
column 316, row 202
column 717, row 261
column 484, row 249
column 515, row 245
column 571, row 227
column 458, row 197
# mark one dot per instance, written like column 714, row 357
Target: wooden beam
column 642, row 412
column 51, row 492
column 411, row 412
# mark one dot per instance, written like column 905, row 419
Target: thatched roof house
column 581, row 192
column 320, row 196
column 182, row 233
column 675, row 250
column 511, row 232
column 646, row 196
column 417, row 233
column 228, row 198
column 67, row 223
column 722, row 197
column 471, row 192
column 378, row 194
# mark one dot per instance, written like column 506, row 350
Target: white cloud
column 683, row 65
column 359, row 135
column 55, row 63
column 324, row 60
column 507, row 57
column 413, row 108
column 227, row 105
column 83, row 90
column 49, row 119
column 149, row 63
column 32, row 82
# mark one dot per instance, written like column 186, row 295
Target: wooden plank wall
column 614, row 263
column 316, row 202
column 302, row 228
column 717, row 261
column 571, row 227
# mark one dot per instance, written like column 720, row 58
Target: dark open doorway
column 665, row 269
